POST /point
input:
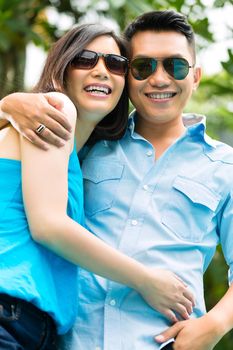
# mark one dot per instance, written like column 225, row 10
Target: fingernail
column 159, row 338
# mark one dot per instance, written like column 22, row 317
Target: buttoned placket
column 128, row 242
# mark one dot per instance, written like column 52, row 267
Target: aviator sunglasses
column 142, row 67
column 88, row 59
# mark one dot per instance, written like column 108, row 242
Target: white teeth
column 98, row 89
column 160, row 95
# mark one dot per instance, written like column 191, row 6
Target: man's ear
column 197, row 77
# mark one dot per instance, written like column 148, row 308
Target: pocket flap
column 98, row 171
column 197, row 192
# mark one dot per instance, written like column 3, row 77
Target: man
column 165, row 193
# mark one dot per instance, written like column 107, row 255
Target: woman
column 41, row 232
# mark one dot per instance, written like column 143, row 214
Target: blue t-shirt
column 27, row 269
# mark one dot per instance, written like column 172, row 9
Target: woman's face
column 96, row 91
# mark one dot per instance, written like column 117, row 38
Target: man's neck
column 161, row 135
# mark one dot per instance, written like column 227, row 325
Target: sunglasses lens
column 142, row 68
column 178, row 68
column 85, row 60
column 116, row 64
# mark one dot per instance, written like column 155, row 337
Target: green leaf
column 117, row 4
column 228, row 66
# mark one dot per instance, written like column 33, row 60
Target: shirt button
column 134, row 222
column 112, row 302
column 146, row 187
column 149, row 153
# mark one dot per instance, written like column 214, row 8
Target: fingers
column 180, row 279
column 36, row 140
column 48, row 136
column 188, row 308
column 54, row 101
column 41, row 140
column 58, row 127
column 171, row 332
column 183, row 310
column 184, row 307
column 58, row 119
column 170, row 315
column 56, row 105
column 48, row 113
column 189, row 295
column 53, row 133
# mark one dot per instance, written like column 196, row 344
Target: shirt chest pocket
column 190, row 209
column 101, row 182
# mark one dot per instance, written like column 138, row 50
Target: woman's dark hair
column 54, row 75
column 159, row 21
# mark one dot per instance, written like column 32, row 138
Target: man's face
column 160, row 98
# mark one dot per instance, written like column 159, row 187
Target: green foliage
column 21, row 22
column 16, row 30
column 228, row 66
column 214, row 99
column 215, row 287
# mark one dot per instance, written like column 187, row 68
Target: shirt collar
column 195, row 124
column 131, row 122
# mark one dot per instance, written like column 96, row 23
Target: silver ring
column 40, row 129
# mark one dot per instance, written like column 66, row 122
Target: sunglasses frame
column 105, row 56
column 162, row 60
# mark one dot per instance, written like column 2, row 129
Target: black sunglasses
column 87, row 59
column 176, row 67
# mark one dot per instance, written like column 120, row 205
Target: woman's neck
column 83, row 131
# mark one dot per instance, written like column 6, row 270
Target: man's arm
column 3, row 117
column 205, row 332
column 26, row 111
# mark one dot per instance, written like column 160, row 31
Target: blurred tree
column 21, row 22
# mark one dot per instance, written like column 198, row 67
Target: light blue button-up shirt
column 168, row 213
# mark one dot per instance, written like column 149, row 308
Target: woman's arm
column 26, row 111
column 45, row 187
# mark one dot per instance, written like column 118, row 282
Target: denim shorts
column 24, row 327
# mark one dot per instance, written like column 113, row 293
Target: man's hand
column 192, row 334
column 26, row 111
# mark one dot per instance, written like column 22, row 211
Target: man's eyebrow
column 175, row 55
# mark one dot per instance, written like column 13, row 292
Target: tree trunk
column 12, row 66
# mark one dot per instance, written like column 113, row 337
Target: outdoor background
column 28, row 26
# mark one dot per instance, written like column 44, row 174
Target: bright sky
column 220, row 19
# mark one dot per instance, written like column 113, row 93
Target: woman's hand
column 167, row 293
column 27, row 111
